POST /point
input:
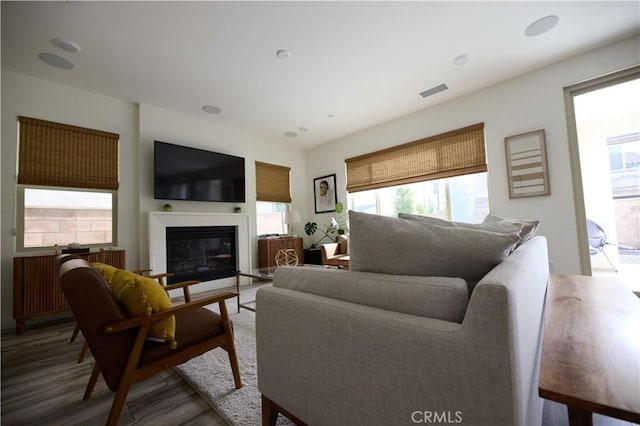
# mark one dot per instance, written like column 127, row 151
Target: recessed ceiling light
column 461, row 59
column 283, row 54
column 211, row 109
column 290, row 134
column 66, row 45
column 541, row 26
column 55, row 60
column 303, row 128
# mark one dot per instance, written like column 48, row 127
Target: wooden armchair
column 143, row 272
column 331, row 256
column 120, row 346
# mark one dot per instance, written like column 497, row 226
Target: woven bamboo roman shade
column 272, row 183
column 454, row 153
column 53, row 154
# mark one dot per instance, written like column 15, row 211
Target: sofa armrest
column 521, row 281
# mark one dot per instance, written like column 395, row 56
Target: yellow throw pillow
column 144, row 296
column 105, row 270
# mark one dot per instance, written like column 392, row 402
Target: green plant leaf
column 310, row 228
column 339, row 207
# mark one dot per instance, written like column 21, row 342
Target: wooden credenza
column 35, row 284
column 269, row 247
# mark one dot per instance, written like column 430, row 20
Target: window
column 270, row 217
column 273, row 193
column 624, row 162
column 61, row 216
column 67, row 185
column 442, row 176
column 625, row 156
column 455, row 153
column 462, row 199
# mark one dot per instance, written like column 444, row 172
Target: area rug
column 210, row 375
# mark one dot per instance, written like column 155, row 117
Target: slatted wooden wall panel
column 35, row 284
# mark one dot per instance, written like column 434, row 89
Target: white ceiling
column 352, row 64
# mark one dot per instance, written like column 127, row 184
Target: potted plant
column 331, row 231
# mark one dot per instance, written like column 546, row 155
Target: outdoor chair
column 598, row 240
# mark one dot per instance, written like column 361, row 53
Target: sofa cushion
column 404, row 247
column 139, row 296
column 434, row 297
column 529, row 227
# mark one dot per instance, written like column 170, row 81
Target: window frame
column 20, row 217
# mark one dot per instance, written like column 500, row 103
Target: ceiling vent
column 434, row 90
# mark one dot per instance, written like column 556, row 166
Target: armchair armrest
column 184, row 285
column 141, row 271
column 161, row 277
column 134, row 322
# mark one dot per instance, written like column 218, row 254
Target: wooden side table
column 591, row 348
column 269, row 247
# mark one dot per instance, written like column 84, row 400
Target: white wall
column 27, row 96
column 529, row 102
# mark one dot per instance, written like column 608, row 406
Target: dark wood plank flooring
column 42, row 384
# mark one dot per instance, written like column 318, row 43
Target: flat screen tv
column 184, row 173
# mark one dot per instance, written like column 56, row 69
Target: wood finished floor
column 42, row 384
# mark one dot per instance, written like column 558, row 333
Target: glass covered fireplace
column 202, row 253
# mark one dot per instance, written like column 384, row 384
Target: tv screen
column 184, row 173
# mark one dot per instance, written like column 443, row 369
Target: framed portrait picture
column 325, row 193
column 527, row 165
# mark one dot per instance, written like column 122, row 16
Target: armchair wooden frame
column 133, row 374
column 331, row 258
column 121, row 349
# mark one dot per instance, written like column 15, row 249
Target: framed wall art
column 527, row 170
column 325, row 193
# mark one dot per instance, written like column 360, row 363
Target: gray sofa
column 366, row 348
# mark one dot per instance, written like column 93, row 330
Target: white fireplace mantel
column 159, row 221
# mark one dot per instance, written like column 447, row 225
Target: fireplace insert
column 202, row 253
